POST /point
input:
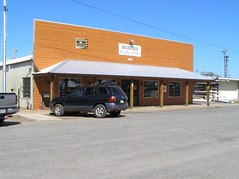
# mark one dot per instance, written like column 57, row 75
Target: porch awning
column 81, row 67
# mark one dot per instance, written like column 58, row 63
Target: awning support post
column 161, row 93
column 208, row 89
column 52, row 78
column 131, row 94
column 186, row 93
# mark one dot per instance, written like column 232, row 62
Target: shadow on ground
column 9, row 123
column 87, row 115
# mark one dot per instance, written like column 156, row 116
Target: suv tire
column 59, row 110
column 100, row 111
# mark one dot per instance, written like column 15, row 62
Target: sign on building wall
column 129, row 50
column 81, row 43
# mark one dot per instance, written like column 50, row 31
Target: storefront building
column 151, row 71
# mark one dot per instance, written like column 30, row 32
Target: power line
column 152, row 27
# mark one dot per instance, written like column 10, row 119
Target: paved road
column 195, row 143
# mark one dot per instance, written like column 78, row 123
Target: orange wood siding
column 54, row 42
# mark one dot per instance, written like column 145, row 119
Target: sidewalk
column 44, row 114
column 37, row 115
column 195, row 105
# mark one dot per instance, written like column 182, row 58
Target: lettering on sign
column 129, row 50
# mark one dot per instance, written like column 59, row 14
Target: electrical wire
column 151, row 26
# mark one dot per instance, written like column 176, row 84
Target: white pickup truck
column 8, row 105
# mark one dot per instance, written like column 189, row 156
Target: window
column 103, row 90
column 67, row 85
column 26, row 87
column 89, row 91
column 151, row 89
column 118, row 91
column 174, row 89
column 77, row 93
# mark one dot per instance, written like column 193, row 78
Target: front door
column 125, row 85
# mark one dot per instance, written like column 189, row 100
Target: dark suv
column 100, row 99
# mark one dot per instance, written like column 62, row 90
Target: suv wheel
column 115, row 113
column 59, row 110
column 100, row 111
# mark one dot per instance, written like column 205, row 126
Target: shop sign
column 81, row 43
column 129, row 50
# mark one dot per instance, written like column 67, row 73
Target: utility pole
column 14, row 53
column 4, row 45
column 226, row 59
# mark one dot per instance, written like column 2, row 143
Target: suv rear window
column 118, row 91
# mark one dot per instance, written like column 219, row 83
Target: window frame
column 157, row 94
column 24, row 86
column 180, row 91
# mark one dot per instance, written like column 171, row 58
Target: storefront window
column 151, row 89
column 26, row 87
column 68, row 84
column 174, row 89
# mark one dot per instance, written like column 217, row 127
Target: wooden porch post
column 208, row 89
column 186, row 93
column 52, row 78
column 161, row 93
column 131, row 105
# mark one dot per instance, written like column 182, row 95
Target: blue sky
column 210, row 25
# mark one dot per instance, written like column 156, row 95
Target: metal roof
column 226, row 79
column 18, row 60
column 119, row 69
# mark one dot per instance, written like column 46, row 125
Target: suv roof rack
column 106, row 83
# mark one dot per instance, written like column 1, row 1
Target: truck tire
column 59, row 110
column 2, row 119
column 100, row 111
